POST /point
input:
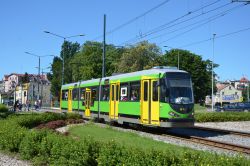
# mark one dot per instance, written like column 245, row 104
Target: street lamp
column 39, row 63
column 64, row 39
column 213, row 75
column 178, row 55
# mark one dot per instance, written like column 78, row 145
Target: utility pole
column 213, row 75
column 104, row 46
column 248, row 90
column 103, row 64
column 178, row 59
column 42, row 90
column 38, row 80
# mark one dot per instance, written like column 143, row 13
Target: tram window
column 117, row 92
column 83, row 96
column 135, row 91
column 145, row 91
column 105, row 93
column 93, row 96
column 75, row 94
column 124, row 92
column 155, row 91
column 164, row 94
column 94, row 91
column 65, row 95
column 113, row 92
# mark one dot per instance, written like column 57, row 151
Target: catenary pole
column 213, row 75
column 103, row 64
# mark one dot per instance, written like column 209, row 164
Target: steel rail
column 244, row 134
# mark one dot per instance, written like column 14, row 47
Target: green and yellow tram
column 161, row 96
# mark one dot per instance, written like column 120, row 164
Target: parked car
column 239, row 107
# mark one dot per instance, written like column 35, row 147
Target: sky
column 184, row 24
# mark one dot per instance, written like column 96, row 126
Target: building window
column 222, row 93
column 230, row 88
column 235, row 93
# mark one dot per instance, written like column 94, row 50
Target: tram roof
column 126, row 75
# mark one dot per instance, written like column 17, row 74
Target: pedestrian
column 15, row 105
column 28, row 105
column 36, row 106
column 39, row 104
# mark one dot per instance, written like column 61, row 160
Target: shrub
column 3, row 108
column 64, row 150
column 11, row 136
column 52, row 125
column 74, row 121
column 73, row 116
column 222, row 116
column 48, row 148
column 30, row 145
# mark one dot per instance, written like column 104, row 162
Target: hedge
column 53, row 149
column 3, row 108
column 44, row 147
column 222, row 116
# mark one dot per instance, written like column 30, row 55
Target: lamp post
column 213, row 75
column 39, row 64
column 64, row 39
column 178, row 55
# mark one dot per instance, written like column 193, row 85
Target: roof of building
column 243, row 79
column 220, row 86
column 21, row 75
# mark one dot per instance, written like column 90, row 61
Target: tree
column 87, row 63
column 199, row 69
column 244, row 93
column 68, row 51
column 142, row 56
column 56, row 76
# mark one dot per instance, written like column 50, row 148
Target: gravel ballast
column 12, row 161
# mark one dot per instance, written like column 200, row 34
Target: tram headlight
column 173, row 114
column 191, row 115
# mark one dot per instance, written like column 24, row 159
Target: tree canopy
column 86, row 63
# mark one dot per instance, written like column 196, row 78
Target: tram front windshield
column 179, row 88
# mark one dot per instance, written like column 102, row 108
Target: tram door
column 70, row 100
column 114, row 100
column 150, row 104
column 87, row 102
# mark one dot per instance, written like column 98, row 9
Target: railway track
column 243, row 134
column 213, row 143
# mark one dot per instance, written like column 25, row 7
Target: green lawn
column 105, row 134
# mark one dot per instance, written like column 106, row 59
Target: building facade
column 34, row 91
column 227, row 93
